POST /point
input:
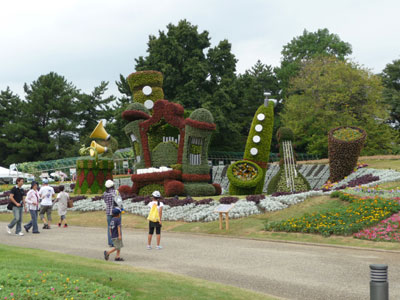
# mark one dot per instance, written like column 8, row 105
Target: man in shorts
column 46, row 205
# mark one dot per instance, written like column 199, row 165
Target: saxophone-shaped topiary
column 256, row 155
column 344, row 148
column 288, row 178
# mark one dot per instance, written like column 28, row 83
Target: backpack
column 153, row 214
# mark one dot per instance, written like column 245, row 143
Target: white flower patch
column 269, row 204
column 244, row 208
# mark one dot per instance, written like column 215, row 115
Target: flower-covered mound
column 345, row 220
column 21, row 285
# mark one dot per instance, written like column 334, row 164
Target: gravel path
column 285, row 270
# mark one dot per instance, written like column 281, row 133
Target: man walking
column 46, row 194
column 17, row 198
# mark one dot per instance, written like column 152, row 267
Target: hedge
column 343, row 155
column 199, row 189
column 150, row 188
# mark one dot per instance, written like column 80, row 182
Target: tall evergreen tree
column 391, row 93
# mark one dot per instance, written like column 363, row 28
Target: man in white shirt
column 46, row 205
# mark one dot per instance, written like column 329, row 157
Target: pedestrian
column 32, row 204
column 157, row 225
column 46, row 193
column 109, row 198
column 17, row 198
column 62, row 199
column 116, row 235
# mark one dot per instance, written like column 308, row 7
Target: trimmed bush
column 173, row 188
column 149, row 189
column 199, row 189
column 344, row 152
column 140, row 79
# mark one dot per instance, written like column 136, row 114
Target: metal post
column 379, row 286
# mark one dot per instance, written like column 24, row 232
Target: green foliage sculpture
column 344, row 145
column 256, row 155
column 171, row 151
column 279, row 182
column 94, row 170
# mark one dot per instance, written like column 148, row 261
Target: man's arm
column 14, row 201
column 119, row 232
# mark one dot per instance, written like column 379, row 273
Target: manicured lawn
column 139, row 283
column 393, row 164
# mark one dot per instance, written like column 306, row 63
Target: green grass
column 393, row 164
column 139, row 283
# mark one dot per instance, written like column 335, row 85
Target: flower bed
column 49, row 285
column 387, row 230
column 359, row 214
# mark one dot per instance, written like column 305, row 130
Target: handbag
column 10, row 205
column 70, row 203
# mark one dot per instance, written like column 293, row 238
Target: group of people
column 40, row 201
column 113, row 213
column 36, row 201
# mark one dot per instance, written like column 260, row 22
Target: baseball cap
column 116, row 211
column 156, row 194
column 109, row 183
column 45, row 181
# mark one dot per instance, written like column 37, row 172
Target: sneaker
column 148, row 247
column 158, row 247
column 26, row 229
column 8, row 230
column 36, row 232
column 65, row 225
column 106, row 256
column 119, row 259
column 59, row 224
column 20, row 234
column 45, row 226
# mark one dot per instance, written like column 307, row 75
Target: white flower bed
column 242, row 208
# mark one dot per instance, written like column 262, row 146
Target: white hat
column 109, row 183
column 156, row 194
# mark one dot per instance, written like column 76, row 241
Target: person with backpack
column 155, row 216
column 17, row 203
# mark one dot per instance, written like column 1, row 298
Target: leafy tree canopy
column 391, row 93
column 329, row 92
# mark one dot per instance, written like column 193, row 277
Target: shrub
column 199, row 189
column 150, row 188
column 173, row 188
column 228, row 200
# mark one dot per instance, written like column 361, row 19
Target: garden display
column 247, row 177
column 288, row 179
column 94, row 170
column 170, row 151
column 344, row 148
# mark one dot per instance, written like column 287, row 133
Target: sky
column 90, row 41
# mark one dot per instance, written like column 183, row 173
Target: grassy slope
column 140, row 283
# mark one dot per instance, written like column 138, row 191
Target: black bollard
column 379, row 286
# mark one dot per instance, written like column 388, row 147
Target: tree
column 391, row 93
column 331, row 92
column 94, row 107
column 48, row 126
column 10, row 115
column 306, row 47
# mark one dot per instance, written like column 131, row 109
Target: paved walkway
column 285, row 270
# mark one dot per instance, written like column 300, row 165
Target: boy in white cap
column 157, row 225
column 116, row 235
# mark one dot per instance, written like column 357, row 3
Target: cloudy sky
column 89, row 41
